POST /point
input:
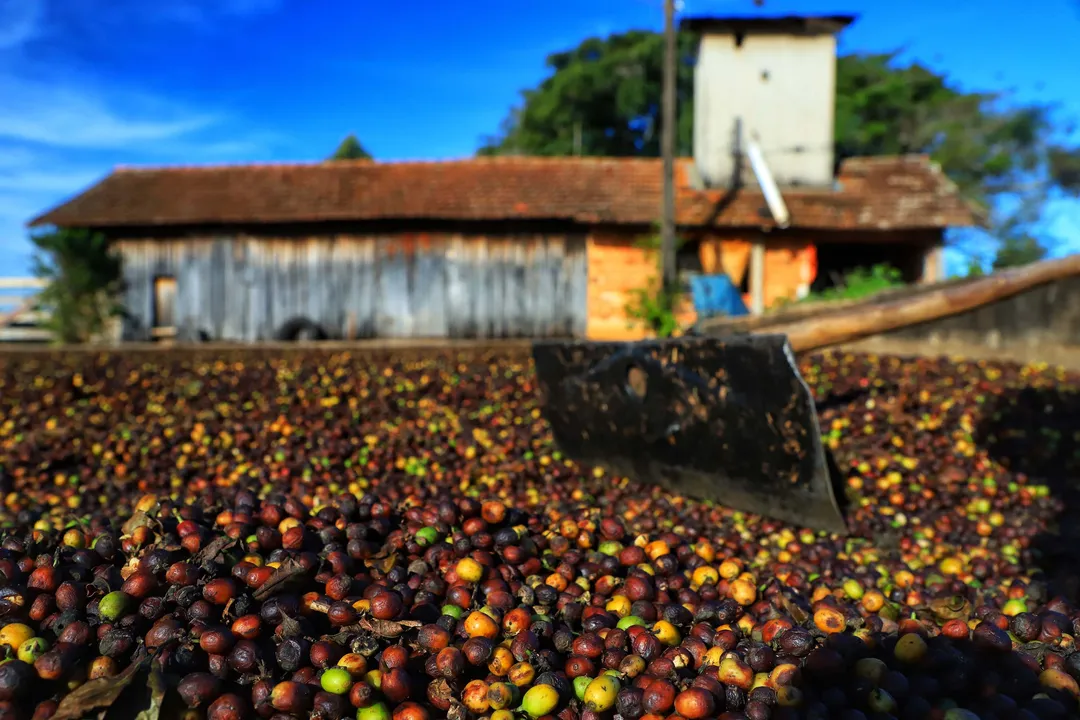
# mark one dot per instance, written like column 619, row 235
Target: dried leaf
column 793, row 608
column 952, row 607
column 380, row 628
column 1036, row 650
column 387, row 564
column 441, row 689
column 216, row 546
column 97, row 694
column 130, row 567
column 290, row 627
column 157, row 696
column 388, row 628
column 290, row 570
column 100, row 584
column 346, row 634
column 136, row 521
column 365, row 644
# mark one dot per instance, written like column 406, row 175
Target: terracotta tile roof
column 883, row 193
column 874, row 193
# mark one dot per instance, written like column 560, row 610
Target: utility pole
column 667, row 150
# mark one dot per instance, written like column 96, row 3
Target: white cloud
column 25, row 172
column 36, row 181
column 31, row 181
column 16, row 158
column 63, row 138
column 203, row 12
column 250, row 7
column 62, row 127
column 15, row 247
column 20, row 21
column 70, row 116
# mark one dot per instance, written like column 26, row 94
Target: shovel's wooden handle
column 861, row 321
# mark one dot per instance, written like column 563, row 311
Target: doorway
column 837, row 259
column 164, row 325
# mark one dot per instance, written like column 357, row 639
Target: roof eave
column 785, row 24
column 49, row 217
column 580, row 218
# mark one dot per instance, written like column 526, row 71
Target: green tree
column 603, row 97
column 84, row 281
column 350, row 149
column 1016, row 250
column 974, row 268
column 1003, row 156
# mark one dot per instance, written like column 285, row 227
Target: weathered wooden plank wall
column 431, row 286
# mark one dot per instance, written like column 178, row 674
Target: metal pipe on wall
column 757, row 276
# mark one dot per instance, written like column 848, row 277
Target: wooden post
column 933, row 269
column 667, row 149
column 757, row 276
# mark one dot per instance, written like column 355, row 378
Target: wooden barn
column 479, row 248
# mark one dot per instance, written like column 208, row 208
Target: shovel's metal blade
column 729, row 420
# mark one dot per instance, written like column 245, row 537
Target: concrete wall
column 1046, row 317
column 778, row 87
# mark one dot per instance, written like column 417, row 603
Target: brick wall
column 618, row 265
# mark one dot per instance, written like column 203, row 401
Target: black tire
column 301, row 330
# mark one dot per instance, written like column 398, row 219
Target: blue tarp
column 716, row 295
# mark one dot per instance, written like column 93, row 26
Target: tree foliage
column 603, row 98
column 861, row 283
column 84, row 279
column 350, row 149
column 1016, row 250
column 1002, row 155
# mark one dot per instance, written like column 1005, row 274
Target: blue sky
column 89, row 84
